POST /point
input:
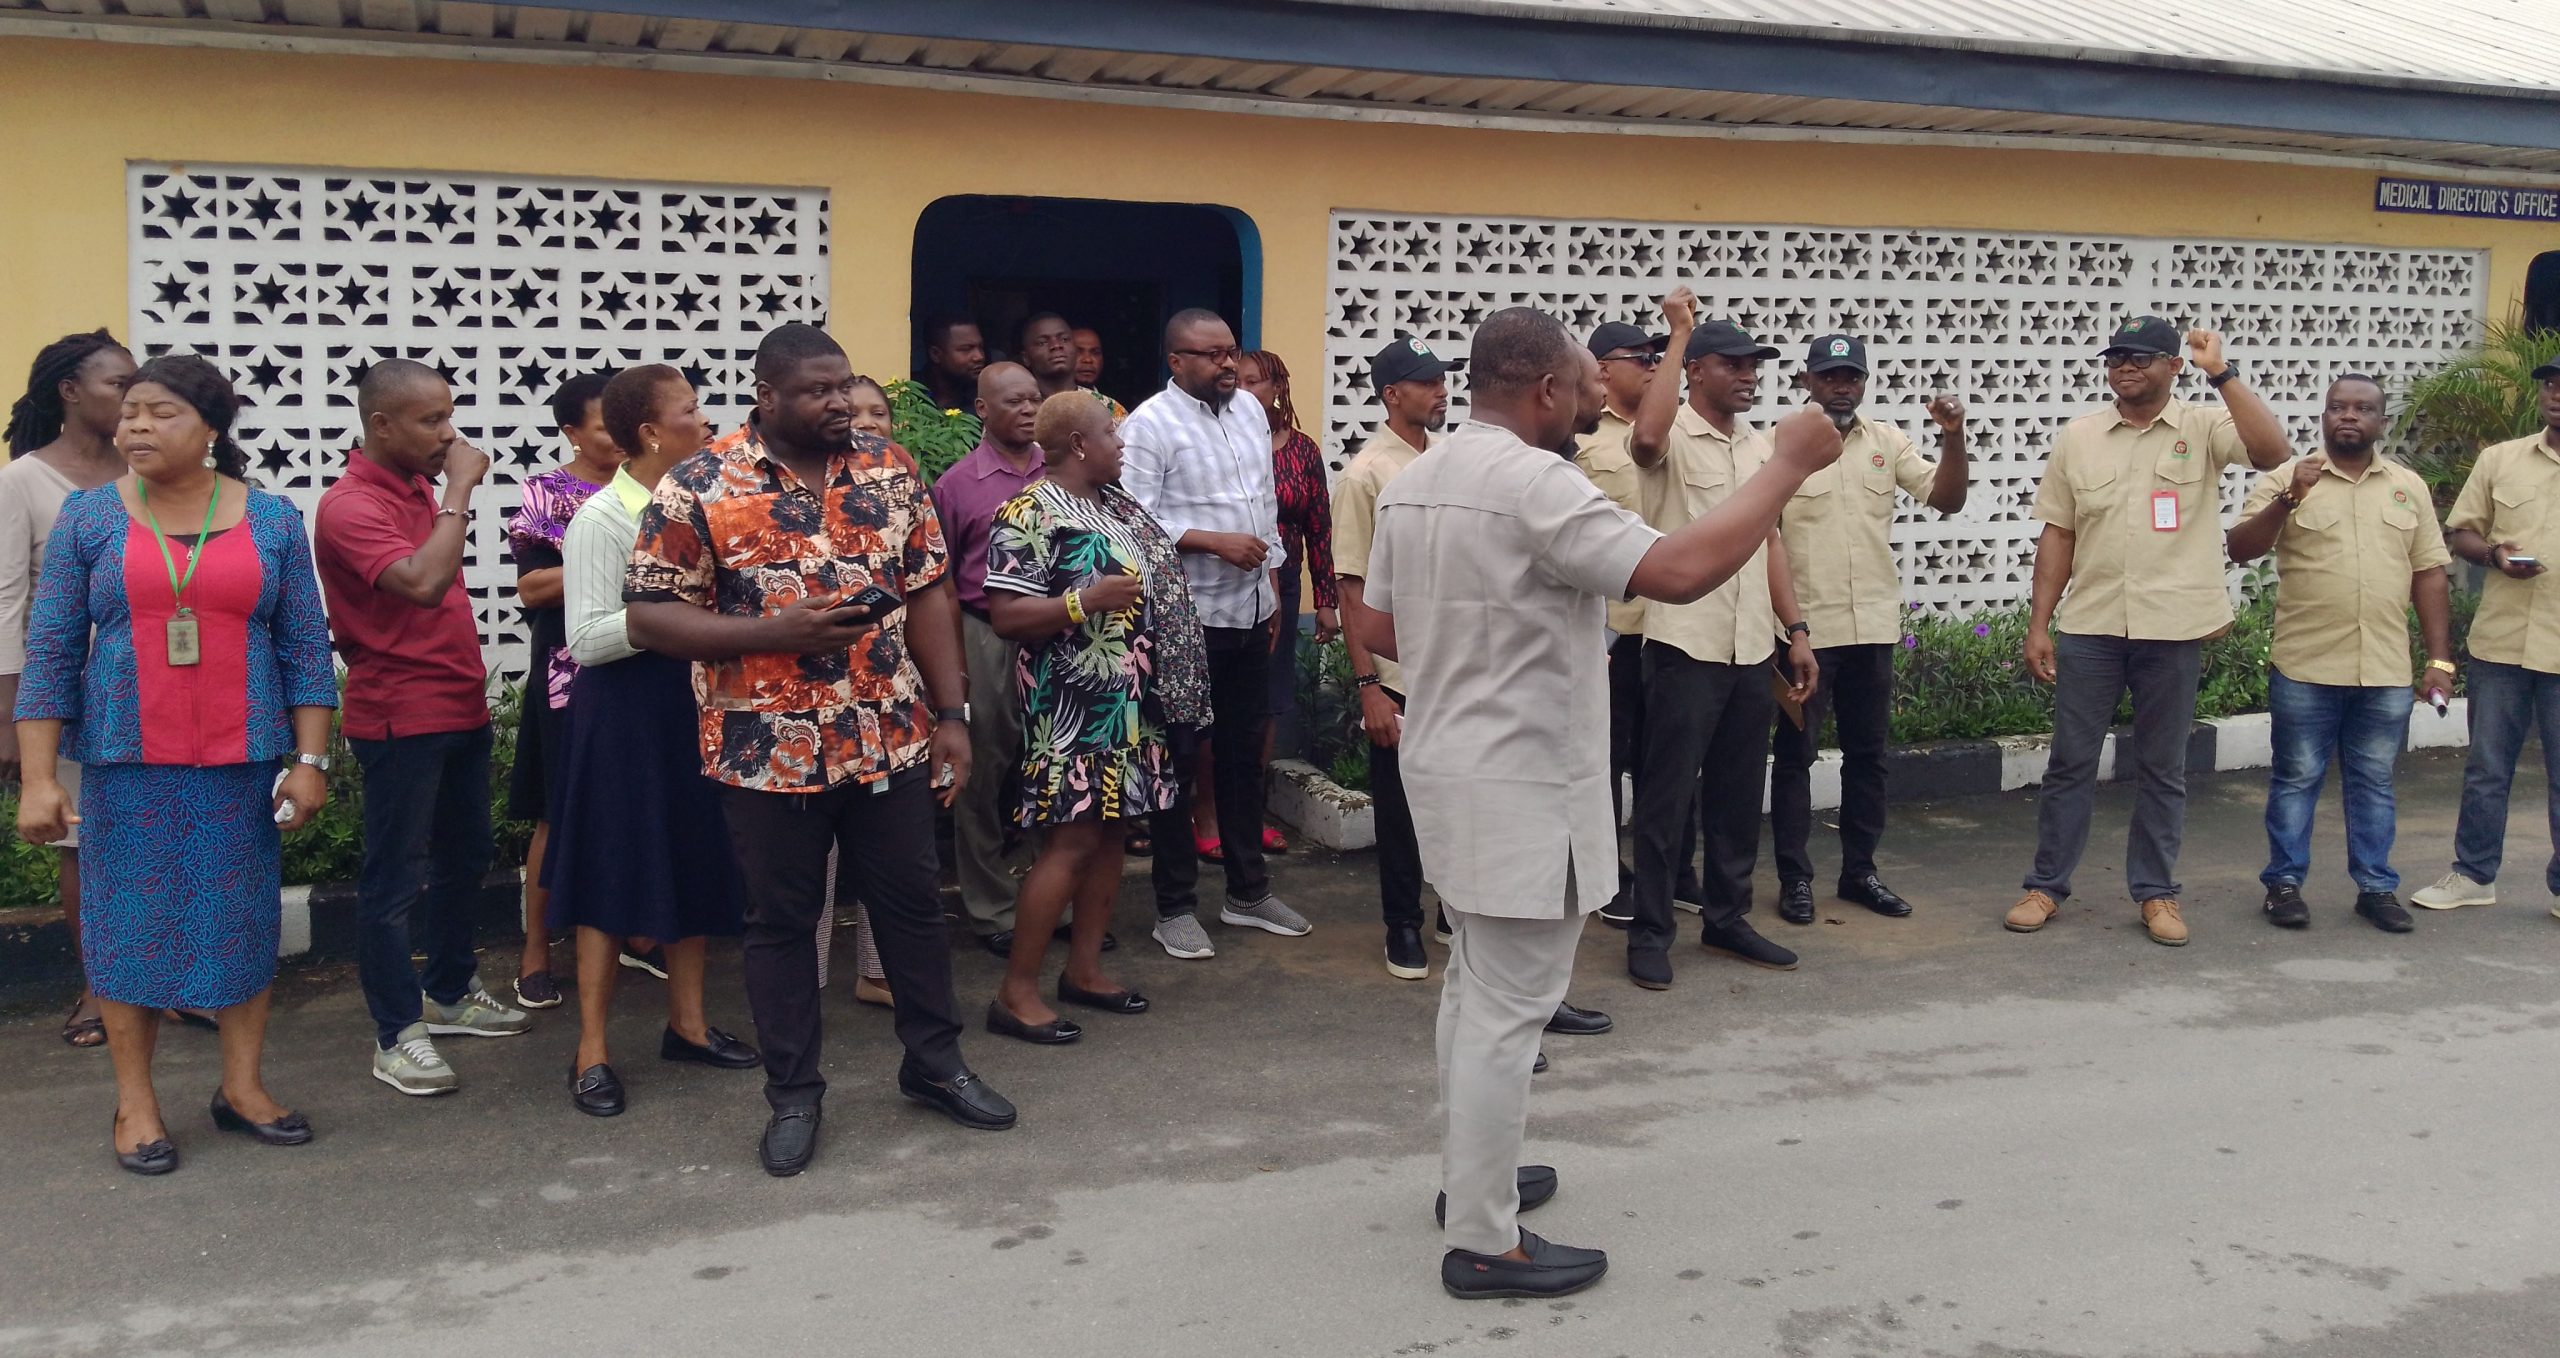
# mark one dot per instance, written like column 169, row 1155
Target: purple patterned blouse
column 534, row 534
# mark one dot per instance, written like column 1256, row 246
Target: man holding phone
column 2504, row 520
column 834, row 712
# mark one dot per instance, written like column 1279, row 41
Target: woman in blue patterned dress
column 1112, row 656
column 181, row 669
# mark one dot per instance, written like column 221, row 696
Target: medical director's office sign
column 2506, row 202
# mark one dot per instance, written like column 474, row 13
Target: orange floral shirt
column 732, row 530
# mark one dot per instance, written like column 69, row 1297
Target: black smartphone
column 873, row 602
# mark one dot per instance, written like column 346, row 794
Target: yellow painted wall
column 77, row 111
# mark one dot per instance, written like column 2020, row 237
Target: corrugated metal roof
column 2502, row 45
column 2266, row 44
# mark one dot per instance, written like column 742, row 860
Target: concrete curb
column 1338, row 818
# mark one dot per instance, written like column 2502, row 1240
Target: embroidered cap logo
column 1839, row 348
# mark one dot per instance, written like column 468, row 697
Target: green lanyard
column 177, row 583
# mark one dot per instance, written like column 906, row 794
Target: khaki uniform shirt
column 2514, row 496
column 1839, row 534
column 1736, row 624
column 1602, row 455
column 2343, row 562
column 1355, row 519
column 1496, row 559
column 2109, row 482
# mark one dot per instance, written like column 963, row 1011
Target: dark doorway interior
column 1120, row 268
column 2542, row 292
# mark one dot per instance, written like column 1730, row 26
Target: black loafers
column 724, row 1051
column 1795, row 902
column 149, row 1158
column 1002, row 1023
column 1551, row 1270
column 1739, row 940
column 1650, row 968
column 292, row 1129
column 1540, row 1067
column 1871, row 892
column 1537, row 1184
column 790, row 1138
column 1110, row 1002
column 2287, row 910
column 964, row 1098
column 1579, row 1022
column 997, row 944
column 597, row 1092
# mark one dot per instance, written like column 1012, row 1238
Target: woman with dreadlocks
column 62, row 438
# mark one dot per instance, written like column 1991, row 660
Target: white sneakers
column 2453, row 891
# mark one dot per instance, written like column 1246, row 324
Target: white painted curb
column 1322, row 810
column 296, row 938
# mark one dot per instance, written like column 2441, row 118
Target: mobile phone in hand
column 2524, row 560
column 872, row 602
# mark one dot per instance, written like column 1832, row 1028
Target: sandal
column 1273, row 841
column 1209, row 849
column 83, row 1032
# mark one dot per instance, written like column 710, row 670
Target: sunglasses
column 1648, row 359
column 2137, row 362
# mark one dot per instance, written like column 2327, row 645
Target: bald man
column 966, row 499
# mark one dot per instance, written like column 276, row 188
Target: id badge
column 2164, row 511
column 185, row 645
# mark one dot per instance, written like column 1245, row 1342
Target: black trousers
column 1856, row 688
column 1626, row 744
column 1705, row 762
column 1399, row 853
column 1240, row 699
column 884, row 834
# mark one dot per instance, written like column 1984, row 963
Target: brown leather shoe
column 2030, row 913
column 2167, row 926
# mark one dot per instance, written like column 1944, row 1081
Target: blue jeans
column 2506, row 702
column 2366, row 728
column 426, row 838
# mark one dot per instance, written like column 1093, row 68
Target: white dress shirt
column 595, row 556
column 1197, row 468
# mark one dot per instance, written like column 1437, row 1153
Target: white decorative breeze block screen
column 2009, row 321
column 297, row 280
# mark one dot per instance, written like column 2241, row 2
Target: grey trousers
column 986, row 805
column 1504, row 979
column 2090, row 674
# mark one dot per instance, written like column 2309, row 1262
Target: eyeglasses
column 2137, row 362
column 1648, row 359
column 1221, row 357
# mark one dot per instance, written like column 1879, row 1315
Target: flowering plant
column 935, row 436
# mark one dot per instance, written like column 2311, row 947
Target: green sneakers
column 477, row 1014
column 412, row 1066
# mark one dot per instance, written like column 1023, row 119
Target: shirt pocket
column 2519, row 512
column 2179, row 469
column 1876, row 473
column 1704, row 488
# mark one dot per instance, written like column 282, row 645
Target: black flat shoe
column 1537, row 1184
column 1540, row 1068
column 1002, row 1023
column 2382, row 910
column 724, row 1051
column 1113, row 1002
column 790, row 1138
column 1650, row 968
column 964, row 1098
column 1871, row 892
column 1551, row 1270
column 292, row 1129
column 151, row 1157
column 192, row 1018
column 997, row 944
column 2287, row 910
column 597, row 1091
column 1795, row 902
column 1579, row 1022
column 1739, row 940
column 1110, row 943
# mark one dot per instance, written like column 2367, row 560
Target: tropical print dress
column 1099, row 698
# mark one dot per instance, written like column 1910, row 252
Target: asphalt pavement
column 1936, row 1138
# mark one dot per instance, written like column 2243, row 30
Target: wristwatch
column 2229, row 371
column 317, row 761
column 1795, row 628
column 958, row 714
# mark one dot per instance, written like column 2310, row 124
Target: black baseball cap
column 1406, row 359
column 1836, row 351
column 2143, row 335
column 2547, row 371
column 1726, row 338
column 1615, row 335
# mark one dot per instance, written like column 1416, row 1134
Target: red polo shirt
column 411, row 671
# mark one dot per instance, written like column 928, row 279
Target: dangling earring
column 208, row 455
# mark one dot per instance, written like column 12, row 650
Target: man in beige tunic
column 1489, row 577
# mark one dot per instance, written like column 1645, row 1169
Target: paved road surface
column 1935, row 1139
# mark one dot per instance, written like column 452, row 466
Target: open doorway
column 1119, row 268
